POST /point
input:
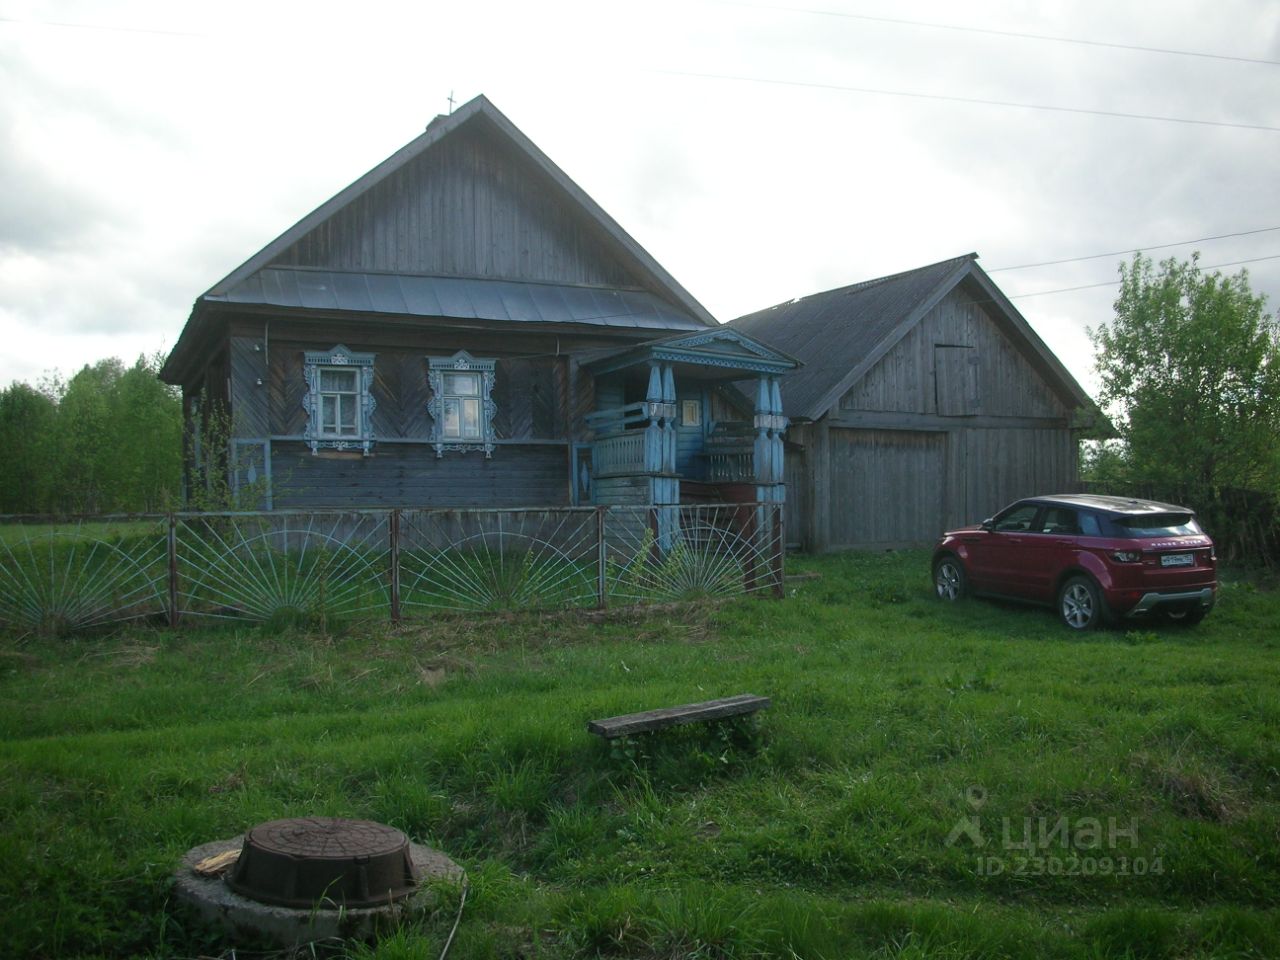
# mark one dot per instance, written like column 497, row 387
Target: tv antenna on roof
column 451, row 101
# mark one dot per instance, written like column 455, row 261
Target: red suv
column 1094, row 558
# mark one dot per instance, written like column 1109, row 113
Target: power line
column 878, row 91
column 1116, row 283
column 1121, row 253
column 1018, row 35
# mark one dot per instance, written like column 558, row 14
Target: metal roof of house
column 455, row 297
column 840, row 334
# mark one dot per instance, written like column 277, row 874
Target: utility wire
column 878, row 91
column 1120, row 253
column 1116, row 283
column 1018, row 35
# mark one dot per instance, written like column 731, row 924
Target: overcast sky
column 146, row 149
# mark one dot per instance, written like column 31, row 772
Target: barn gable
column 926, row 401
column 842, row 335
column 957, row 361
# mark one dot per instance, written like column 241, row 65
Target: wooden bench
column 631, row 723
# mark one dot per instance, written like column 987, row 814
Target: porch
column 695, row 418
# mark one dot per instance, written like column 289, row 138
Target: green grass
column 822, row 834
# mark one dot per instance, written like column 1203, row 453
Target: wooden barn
column 925, row 401
column 463, row 326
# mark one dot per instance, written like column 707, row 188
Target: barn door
column 888, row 487
column 956, row 372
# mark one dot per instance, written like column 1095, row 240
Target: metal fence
column 60, row 576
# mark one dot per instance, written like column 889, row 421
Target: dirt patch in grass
column 1194, row 788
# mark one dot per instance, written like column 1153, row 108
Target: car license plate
column 1177, row 560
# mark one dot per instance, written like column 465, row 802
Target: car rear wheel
column 1080, row 604
column 948, row 579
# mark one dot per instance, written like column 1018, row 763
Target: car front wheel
column 948, row 579
column 1080, row 604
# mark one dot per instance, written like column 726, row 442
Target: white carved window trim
column 437, row 370
column 316, row 362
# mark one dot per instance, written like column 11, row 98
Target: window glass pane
column 347, row 415
column 452, row 414
column 1152, row 525
column 343, row 380
column 329, row 414
column 1060, row 520
column 471, row 418
column 462, row 384
column 1019, row 518
column 1089, row 525
column 690, row 413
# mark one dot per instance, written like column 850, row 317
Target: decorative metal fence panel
column 57, row 577
column 290, row 566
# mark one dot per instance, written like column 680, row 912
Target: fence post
column 393, row 533
column 780, row 554
column 172, row 551
column 602, row 586
column 753, row 515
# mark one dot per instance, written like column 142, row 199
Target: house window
column 339, row 399
column 690, row 413
column 339, row 402
column 460, row 406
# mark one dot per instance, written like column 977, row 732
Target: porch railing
column 730, row 466
column 618, row 456
column 60, row 576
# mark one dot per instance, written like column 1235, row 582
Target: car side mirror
column 988, row 524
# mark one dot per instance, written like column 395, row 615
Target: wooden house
column 463, row 326
column 925, row 401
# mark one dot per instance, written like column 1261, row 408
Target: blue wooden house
column 463, row 326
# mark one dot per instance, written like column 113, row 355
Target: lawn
column 1125, row 783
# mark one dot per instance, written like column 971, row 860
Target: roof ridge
column 865, row 284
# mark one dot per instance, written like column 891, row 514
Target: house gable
column 471, row 206
column 469, row 221
column 470, row 197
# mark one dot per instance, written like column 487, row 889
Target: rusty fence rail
column 60, row 575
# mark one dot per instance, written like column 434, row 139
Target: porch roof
column 723, row 353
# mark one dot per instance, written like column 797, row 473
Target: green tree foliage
column 1190, row 373
column 107, row 440
column 26, row 429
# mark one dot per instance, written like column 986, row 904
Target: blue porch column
column 769, row 426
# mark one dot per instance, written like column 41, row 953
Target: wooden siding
column 689, row 440
column 468, row 207
column 404, row 475
column 539, row 395
column 1005, row 465
column 886, row 486
column 630, row 491
column 990, row 376
column 796, row 506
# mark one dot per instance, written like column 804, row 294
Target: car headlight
column 1127, row 556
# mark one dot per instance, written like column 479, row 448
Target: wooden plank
column 933, row 423
column 632, row 723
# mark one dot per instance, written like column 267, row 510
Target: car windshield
column 1157, row 524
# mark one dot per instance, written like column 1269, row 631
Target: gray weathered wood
column 631, row 723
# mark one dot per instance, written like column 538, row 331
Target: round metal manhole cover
column 324, row 861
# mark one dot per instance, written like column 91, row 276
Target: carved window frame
column 339, row 358
column 461, row 362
